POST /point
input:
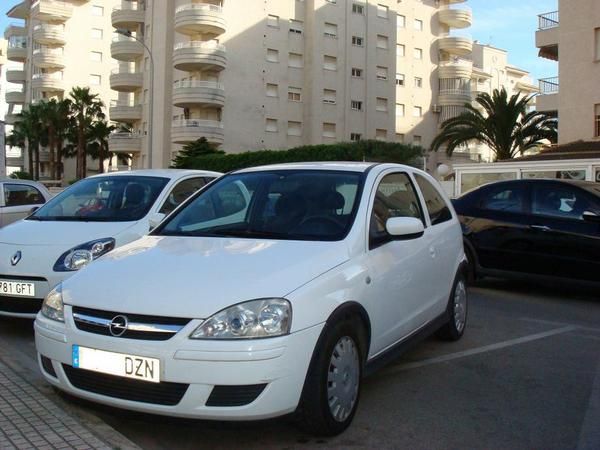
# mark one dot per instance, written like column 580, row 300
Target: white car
column 239, row 308
column 19, row 198
column 82, row 223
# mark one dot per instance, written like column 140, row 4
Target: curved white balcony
column 199, row 56
column 124, row 80
column 17, row 161
column 125, row 142
column 203, row 94
column 47, row 82
column 47, row 34
column 125, row 112
column 49, row 58
column 455, row 68
column 126, row 49
column 16, row 53
column 11, row 118
column 15, row 96
column 203, row 18
column 459, row 97
column 15, row 75
column 456, row 45
column 456, row 17
column 190, row 130
column 14, row 30
column 51, row 11
column 128, row 16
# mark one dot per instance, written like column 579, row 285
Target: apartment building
column 571, row 36
column 54, row 46
column 275, row 74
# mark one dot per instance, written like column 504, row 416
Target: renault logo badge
column 118, row 326
column 16, row 258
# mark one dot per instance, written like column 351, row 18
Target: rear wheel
column 457, row 311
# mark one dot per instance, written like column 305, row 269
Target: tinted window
column 509, row 198
column 395, row 197
column 21, row 194
column 436, row 206
column 561, row 201
column 181, row 192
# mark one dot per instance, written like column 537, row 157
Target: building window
column 95, row 80
column 329, row 96
column 400, row 50
column 418, row 25
column 355, row 137
column 272, row 55
column 381, row 104
column 97, row 11
column 296, row 26
column 330, row 30
column 358, row 9
column 380, row 134
column 418, row 53
column 399, row 79
column 381, row 72
column 417, row 111
column 358, row 41
column 400, row 138
column 329, row 62
column 356, row 73
column 597, row 119
column 96, row 56
column 272, row 90
column 294, row 128
column 96, row 33
column 399, row 110
column 400, row 21
column 356, row 105
column 597, row 40
column 273, row 21
column 329, row 130
column 294, row 94
column 418, row 82
column 417, row 140
column 295, row 60
column 382, row 11
column 271, row 126
column 382, row 41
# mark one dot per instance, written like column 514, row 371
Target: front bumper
column 28, row 307
column 279, row 364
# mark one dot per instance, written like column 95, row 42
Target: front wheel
column 457, row 311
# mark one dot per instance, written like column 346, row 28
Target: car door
column 19, row 200
column 563, row 243
column 399, row 268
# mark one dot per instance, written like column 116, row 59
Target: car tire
column 332, row 387
column 457, row 310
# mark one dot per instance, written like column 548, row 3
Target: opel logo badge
column 118, row 326
column 16, row 258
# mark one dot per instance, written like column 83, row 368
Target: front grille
column 150, row 328
column 47, row 365
column 20, row 305
column 234, row 395
column 162, row 393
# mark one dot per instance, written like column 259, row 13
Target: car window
column 395, row 197
column 560, row 201
column 22, row 194
column 504, row 198
column 436, row 205
column 181, row 192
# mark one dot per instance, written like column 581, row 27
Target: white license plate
column 17, row 288
column 119, row 364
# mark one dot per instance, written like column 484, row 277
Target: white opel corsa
column 82, row 223
column 271, row 291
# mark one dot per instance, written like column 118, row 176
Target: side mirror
column 589, row 216
column 155, row 219
column 405, row 227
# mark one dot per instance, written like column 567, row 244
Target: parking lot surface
column 525, row 375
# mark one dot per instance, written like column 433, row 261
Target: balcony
column 546, row 37
column 51, row 11
column 11, row 118
column 203, row 94
column 49, row 58
column 460, row 45
column 125, row 112
column 14, row 30
column 449, row 97
column 19, row 11
column 456, row 17
column 129, row 15
column 125, row 142
column 202, row 18
column 126, row 49
column 199, row 56
column 17, row 161
column 124, row 80
column 15, row 75
column 190, row 130
column 47, row 82
column 17, row 52
column 15, row 96
column 47, row 34
column 547, row 101
column 455, row 68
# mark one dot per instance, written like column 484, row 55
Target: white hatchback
column 271, row 291
column 82, row 223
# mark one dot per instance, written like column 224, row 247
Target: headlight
column 53, row 307
column 262, row 318
column 80, row 256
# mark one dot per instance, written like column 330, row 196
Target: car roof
column 345, row 166
column 162, row 173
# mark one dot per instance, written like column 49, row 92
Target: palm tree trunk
column 58, row 168
column 51, row 149
column 30, row 158
column 80, row 153
column 36, row 150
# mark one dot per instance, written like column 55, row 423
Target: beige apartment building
column 571, row 36
column 52, row 47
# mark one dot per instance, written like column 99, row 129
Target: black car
column 547, row 229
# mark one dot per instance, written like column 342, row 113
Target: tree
column 200, row 147
column 505, row 126
column 98, row 142
column 85, row 108
column 54, row 116
column 29, row 132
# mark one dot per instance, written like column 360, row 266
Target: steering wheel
column 320, row 219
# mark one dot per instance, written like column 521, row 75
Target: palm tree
column 85, row 109
column 18, row 138
column 54, row 117
column 98, row 145
column 505, row 126
column 28, row 129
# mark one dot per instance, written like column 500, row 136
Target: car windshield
column 286, row 204
column 104, row 199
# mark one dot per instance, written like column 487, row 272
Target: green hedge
column 376, row 151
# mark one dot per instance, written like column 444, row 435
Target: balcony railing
column 548, row 20
column 549, row 85
column 197, row 84
column 195, row 123
column 200, row 7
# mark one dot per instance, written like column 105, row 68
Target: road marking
column 479, row 350
column 589, row 436
column 552, row 322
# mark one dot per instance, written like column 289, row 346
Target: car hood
column 54, row 233
column 196, row 277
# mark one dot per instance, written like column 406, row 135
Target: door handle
column 540, row 227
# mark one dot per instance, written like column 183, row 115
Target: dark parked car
column 533, row 228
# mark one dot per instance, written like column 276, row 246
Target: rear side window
column 21, row 194
column 181, row 192
column 504, row 198
column 560, row 201
column 436, row 205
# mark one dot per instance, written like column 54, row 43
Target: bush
column 375, row 151
column 21, row 175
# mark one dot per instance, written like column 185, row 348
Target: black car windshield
column 315, row 205
column 119, row 198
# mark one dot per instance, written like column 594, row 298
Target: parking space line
column 589, row 436
column 479, row 350
column 552, row 322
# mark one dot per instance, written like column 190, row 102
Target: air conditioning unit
column 436, row 108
